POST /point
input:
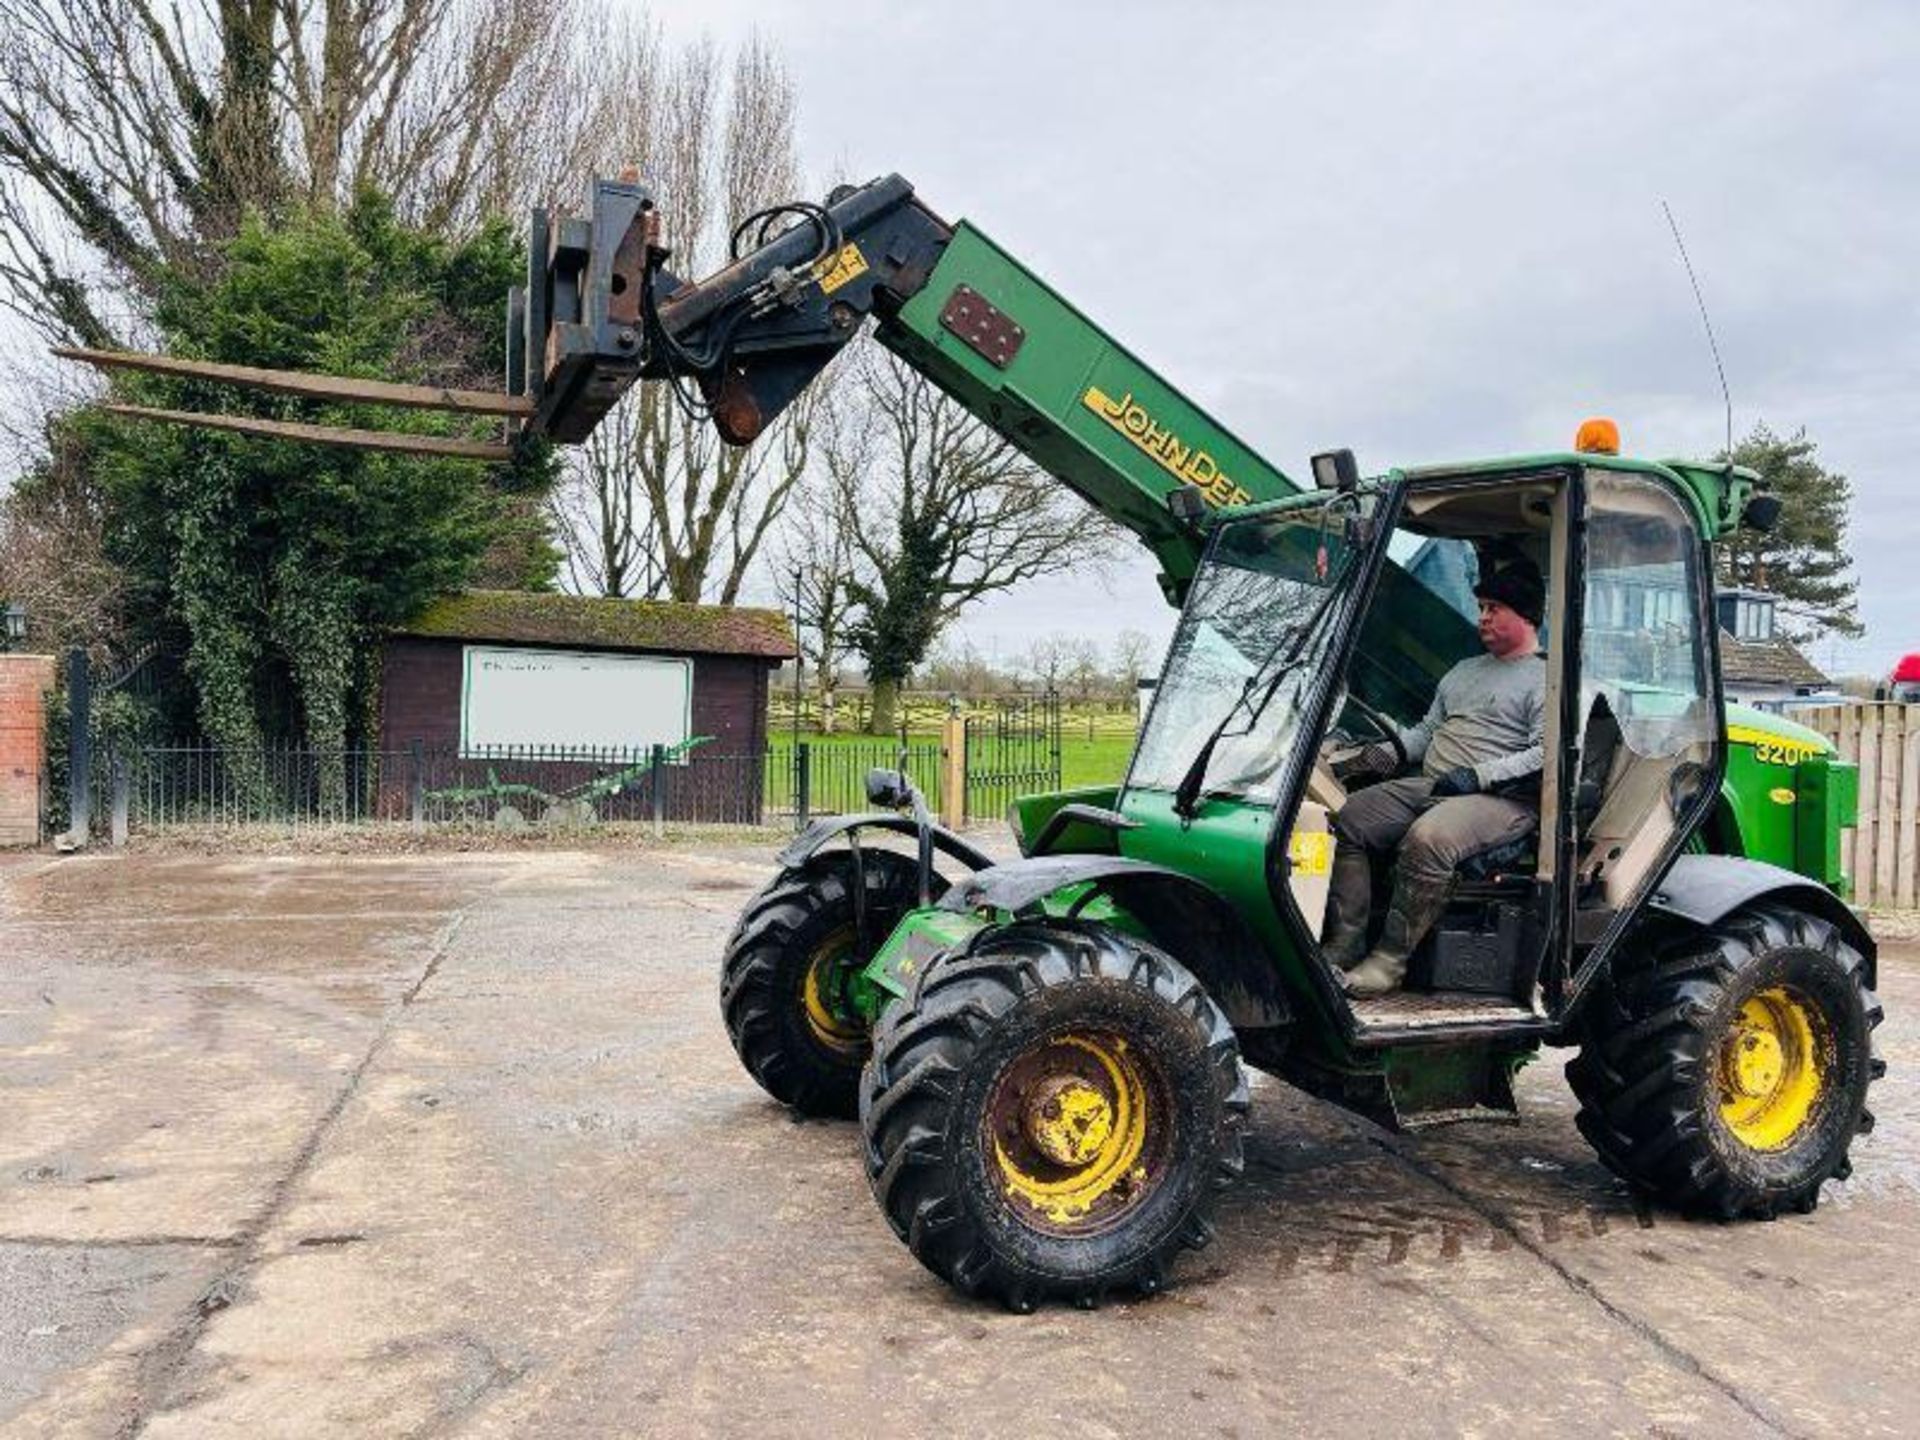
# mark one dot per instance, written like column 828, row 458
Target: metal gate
column 1012, row 750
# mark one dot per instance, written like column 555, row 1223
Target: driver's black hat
column 1518, row 587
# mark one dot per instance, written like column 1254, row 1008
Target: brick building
column 492, row 673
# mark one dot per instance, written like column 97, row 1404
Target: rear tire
column 1051, row 1113
column 783, row 979
column 1727, row 1074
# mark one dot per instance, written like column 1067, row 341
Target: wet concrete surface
column 455, row 1144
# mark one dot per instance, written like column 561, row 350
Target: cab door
column 1641, row 706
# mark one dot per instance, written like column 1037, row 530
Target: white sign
column 573, row 699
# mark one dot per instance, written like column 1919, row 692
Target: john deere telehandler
column 1047, row 1056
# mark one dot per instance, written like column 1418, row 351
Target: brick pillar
column 24, row 683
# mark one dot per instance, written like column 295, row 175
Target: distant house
column 1757, row 666
column 490, row 676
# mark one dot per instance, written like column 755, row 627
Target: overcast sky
column 1426, row 232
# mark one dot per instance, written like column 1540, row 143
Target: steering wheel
column 1386, row 729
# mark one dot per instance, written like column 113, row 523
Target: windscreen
column 1256, row 633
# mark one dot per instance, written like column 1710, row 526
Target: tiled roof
column 1766, row 662
column 529, row 618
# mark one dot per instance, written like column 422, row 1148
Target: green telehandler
column 1048, row 1056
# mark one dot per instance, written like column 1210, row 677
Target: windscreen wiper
column 1187, row 796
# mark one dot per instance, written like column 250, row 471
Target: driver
column 1479, row 750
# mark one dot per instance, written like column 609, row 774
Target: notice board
column 572, row 699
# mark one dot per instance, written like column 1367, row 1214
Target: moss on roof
column 528, row 618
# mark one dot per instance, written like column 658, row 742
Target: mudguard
column 820, row 832
column 1186, row 918
column 1705, row 889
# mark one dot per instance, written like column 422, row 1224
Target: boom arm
column 603, row 312
column 600, row 311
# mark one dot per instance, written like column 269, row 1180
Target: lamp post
column 799, row 578
column 15, row 629
column 802, row 760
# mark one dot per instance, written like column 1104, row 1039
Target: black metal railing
column 1012, row 750
column 198, row 784
column 811, row 777
column 151, row 788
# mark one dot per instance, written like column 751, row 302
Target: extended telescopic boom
column 601, row 311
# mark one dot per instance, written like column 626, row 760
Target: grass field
column 1099, row 761
column 1096, row 759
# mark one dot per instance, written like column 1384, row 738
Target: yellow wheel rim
column 1076, row 1126
column 1771, row 1068
column 834, row 1030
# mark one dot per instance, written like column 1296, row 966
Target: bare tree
column 717, row 144
column 1083, row 677
column 947, row 512
column 815, row 579
column 600, row 514
column 1060, row 663
column 134, row 135
column 53, row 555
column 1132, row 654
column 956, row 666
column 1046, row 660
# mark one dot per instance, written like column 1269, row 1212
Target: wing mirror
column 889, row 788
column 1762, row 513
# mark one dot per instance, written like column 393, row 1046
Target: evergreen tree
column 277, row 565
column 1803, row 559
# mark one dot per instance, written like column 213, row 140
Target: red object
column 1908, row 669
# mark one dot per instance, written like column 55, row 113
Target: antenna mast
column 1701, row 300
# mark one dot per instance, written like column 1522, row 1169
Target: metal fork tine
column 318, row 387
column 491, row 451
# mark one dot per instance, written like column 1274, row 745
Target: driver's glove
column 1464, row 780
column 1378, row 759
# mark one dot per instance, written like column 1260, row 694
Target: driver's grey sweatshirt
column 1488, row 713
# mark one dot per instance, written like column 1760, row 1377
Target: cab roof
column 1718, row 489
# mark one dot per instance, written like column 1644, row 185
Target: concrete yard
column 453, row 1144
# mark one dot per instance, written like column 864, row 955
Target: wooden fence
column 1882, row 853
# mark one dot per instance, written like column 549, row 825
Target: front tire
column 1728, row 1074
column 1051, row 1112
column 785, row 979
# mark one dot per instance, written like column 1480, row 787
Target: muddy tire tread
column 755, row 974
column 1639, row 1070
column 910, row 1087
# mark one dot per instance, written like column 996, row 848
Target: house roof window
column 1746, row 614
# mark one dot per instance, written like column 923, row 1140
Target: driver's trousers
column 1433, row 835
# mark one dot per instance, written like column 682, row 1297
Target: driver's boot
column 1343, row 940
column 1416, row 905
